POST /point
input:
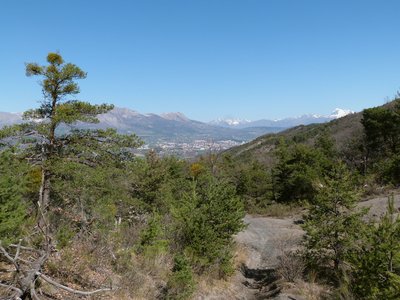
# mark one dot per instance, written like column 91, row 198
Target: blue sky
column 208, row 58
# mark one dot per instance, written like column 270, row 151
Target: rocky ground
column 261, row 244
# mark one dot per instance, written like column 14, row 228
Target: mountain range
column 176, row 127
column 282, row 123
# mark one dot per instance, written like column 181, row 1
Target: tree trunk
column 44, row 200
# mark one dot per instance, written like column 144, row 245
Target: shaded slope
column 342, row 130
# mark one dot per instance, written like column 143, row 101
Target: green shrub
column 64, row 236
column 181, row 284
column 206, row 220
column 13, row 207
column 152, row 239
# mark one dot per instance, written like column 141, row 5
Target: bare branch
column 18, row 250
column 27, row 262
column 25, row 248
column 5, row 253
column 33, row 294
column 13, row 288
column 68, row 289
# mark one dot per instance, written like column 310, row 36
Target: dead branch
column 18, row 250
column 33, row 294
column 24, row 248
column 7, row 255
column 13, row 288
column 68, row 289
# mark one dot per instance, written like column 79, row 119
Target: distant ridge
column 176, row 127
column 167, row 127
column 282, row 123
column 343, row 127
column 9, row 118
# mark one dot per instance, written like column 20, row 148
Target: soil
column 263, row 241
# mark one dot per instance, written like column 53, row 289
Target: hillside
column 342, row 130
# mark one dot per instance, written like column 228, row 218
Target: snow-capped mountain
column 177, row 127
column 339, row 113
column 282, row 123
column 152, row 128
column 230, row 122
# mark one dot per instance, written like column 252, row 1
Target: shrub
column 181, row 284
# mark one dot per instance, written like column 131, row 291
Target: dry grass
column 277, row 210
column 307, row 290
column 240, row 256
column 210, row 287
column 291, row 266
column 88, row 265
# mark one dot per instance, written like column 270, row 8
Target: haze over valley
column 174, row 133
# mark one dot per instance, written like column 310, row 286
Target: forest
column 81, row 216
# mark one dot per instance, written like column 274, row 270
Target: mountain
column 9, row 118
column 175, row 116
column 175, row 127
column 230, row 122
column 282, row 123
column 168, row 127
column 343, row 130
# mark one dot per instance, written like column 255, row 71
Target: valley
column 175, row 134
column 199, row 150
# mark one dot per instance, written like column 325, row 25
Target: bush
column 13, row 208
column 152, row 241
column 181, row 284
column 206, row 219
column 291, row 266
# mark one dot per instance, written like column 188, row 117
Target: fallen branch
column 13, row 288
column 68, row 289
column 33, row 294
column 18, row 250
column 7, row 255
column 25, row 248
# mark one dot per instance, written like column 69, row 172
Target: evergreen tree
column 297, row 170
column 207, row 219
column 377, row 262
column 53, row 150
column 333, row 225
column 13, row 191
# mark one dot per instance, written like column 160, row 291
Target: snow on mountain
column 176, row 126
column 229, row 122
column 282, row 123
column 339, row 113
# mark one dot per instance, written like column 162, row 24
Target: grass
column 277, row 210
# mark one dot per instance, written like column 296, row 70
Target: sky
column 249, row 59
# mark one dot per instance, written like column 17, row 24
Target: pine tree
column 332, row 224
column 207, row 218
column 53, row 150
column 377, row 263
column 13, row 192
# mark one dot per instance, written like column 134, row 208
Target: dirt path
column 266, row 238
column 261, row 243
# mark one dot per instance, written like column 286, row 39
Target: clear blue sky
column 208, row 58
